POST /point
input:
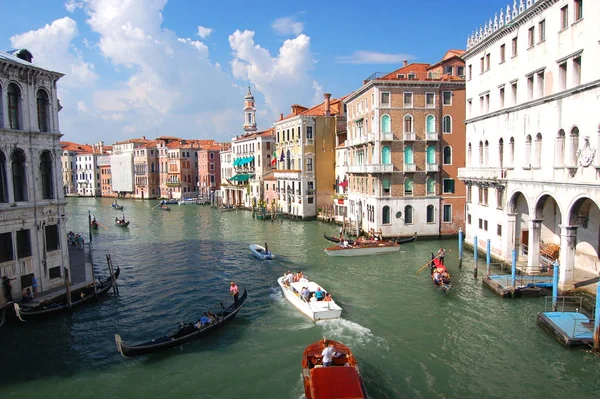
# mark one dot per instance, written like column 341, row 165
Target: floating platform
column 571, row 329
column 526, row 286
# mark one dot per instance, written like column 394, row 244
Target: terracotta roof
column 137, row 140
column 419, row 69
column 336, row 107
column 79, row 148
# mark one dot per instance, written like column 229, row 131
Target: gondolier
column 235, row 292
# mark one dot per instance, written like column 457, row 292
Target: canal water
column 410, row 341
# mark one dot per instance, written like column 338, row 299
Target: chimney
column 327, row 97
column 405, row 63
column 143, row 137
column 280, row 117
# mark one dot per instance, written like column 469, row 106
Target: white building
column 533, row 156
column 87, row 174
column 33, row 237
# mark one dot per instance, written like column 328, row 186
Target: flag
column 282, row 158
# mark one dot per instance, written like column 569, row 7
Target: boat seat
column 317, row 366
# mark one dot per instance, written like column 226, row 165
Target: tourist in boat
column 303, row 279
column 27, row 296
column 289, row 277
column 34, row 286
column 327, row 298
column 319, row 294
column 328, row 354
column 205, row 319
column 234, row 290
column 305, row 293
column 441, row 254
column 213, row 317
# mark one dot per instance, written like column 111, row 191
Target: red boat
column 340, row 380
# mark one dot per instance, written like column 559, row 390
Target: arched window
column 481, row 153
column 430, row 214
column 386, row 124
column 289, row 160
column 447, row 155
column 42, row 110
column 408, row 186
column 501, row 152
column 538, row 151
column 408, row 214
column 18, row 175
column 3, row 188
column 559, row 154
column 385, row 184
column 430, row 183
column 46, row 175
column 386, row 155
column 486, row 153
column 430, row 154
column 408, row 124
column 408, row 155
column 14, row 106
column 511, row 151
column 430, row 124
column 385, row 215
column 469, row 153
column 447, row 124
column 527, row 161
column 573, row 147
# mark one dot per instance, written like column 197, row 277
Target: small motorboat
column 439, row 276
column 188, row 201
column 342, row 379
column 187, row 332
column 227, row 208
column 316, row 310
column 121, row 222
column 170, row 201
column 261, row 253
column 117, row 206
column 364, row 247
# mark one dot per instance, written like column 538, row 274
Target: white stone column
column 568, row 242
column 508, row 244
column 533, row 246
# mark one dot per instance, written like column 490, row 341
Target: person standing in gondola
column 7, row 288
column 234, row 290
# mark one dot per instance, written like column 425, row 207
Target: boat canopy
column 335, row 382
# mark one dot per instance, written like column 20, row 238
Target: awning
column 358, row 120
column 240, row 177
column 243, row 161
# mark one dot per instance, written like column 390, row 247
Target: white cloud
column 81, row 106
column 287, row 26
column 373, row 57
column 283, row 80
column 52, row 49
column 204, row 32
column 72, row 5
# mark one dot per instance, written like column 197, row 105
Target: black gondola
column 336, row 239
column 186, row 333
column 80, row 296
column 404, row 240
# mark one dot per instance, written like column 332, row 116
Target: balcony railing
column 387, row 136
column 481, row 173
column 376, row 168
column 410, row 167
column 432, row 167
column 173, row 184
column 310, row 192
column 409, row 136
column 432, row 136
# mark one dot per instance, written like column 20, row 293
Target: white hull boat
column 316, row 310
column 368, row 248
column 261, row 252
column 187, row 201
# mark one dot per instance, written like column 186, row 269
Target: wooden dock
column 571, row 329
column 525, row 286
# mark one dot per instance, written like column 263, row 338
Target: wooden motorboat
column 79, row 297
column 360, row 248
column 187, row 331
column 261, row 253
column 340, row 380
column 121, row 222
column 442, row 282
column 316, row 310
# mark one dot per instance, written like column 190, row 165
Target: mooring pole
column 460, row 246
column 513, row 270
column 597, row 320
column 68, row 285
column 555, row 269
column 90, row 224
column 488, row 256
column 476, row 255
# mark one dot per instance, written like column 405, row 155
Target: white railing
column 386, row 136
column 432, row 167
column 432, row 136
column 376, row 168
column 409, row 136
column 489, row 173
column 410, row 167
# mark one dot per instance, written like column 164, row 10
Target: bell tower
column 249, row 113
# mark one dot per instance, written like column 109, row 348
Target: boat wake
column 350, row 333
column 276, row 295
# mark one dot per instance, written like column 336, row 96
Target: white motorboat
column 316, row 310
column 187, row 201
column 261, row 252
column 363, row 248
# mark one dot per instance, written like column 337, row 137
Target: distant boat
column 94, row 224
column 117, row 206
column 361, row 248
column 170, row 201
column 340, row 380
column 443, row 283
column 186, row 332
column 164, row 207
column 403, row 240
column 316, row 310
column 261, row 253
column 188, row 201
column 227, row 208
column 121, row 222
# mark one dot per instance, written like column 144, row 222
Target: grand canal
column 409, row 340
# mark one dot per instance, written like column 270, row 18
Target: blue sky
column 181, row 67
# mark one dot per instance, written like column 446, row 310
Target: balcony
column 432, row 136
column 432, row 167
column 409, row 136
column 410, row 167
column 173, row 184
column 376, row 168
column 310, row 192
column 362, row 139
column 386, row 136
column 481, row 173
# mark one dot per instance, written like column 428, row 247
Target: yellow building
column 305, row 150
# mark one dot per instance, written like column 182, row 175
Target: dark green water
column 410, row 341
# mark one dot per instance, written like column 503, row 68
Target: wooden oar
column 425, row 265
column 103, row 226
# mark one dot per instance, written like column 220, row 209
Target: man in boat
column 7, row 288
column 441, row 254
column 327, row 298
column 328, row 354
column 305, row 293
column 27, row 296
column 234, row 290
column 319, row 294
column 205, row 319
